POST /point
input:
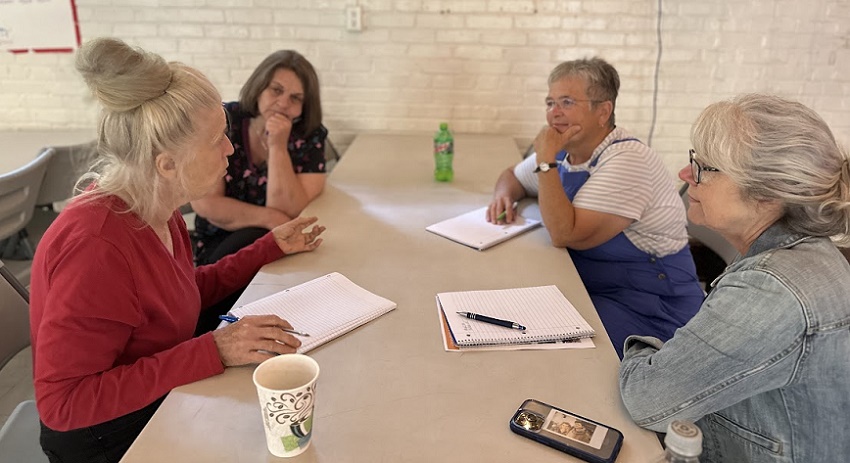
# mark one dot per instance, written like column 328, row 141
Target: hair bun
column 121, row 77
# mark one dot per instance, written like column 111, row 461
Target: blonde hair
column 149, row 106
column 778, row 149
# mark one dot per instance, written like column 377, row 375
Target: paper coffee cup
column 286, row 387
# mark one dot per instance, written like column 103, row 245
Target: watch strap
column 551, row 165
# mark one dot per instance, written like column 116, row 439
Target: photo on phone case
column 576, row 429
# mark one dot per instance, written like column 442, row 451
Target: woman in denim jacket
column 763, row 366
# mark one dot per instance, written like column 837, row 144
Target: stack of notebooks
column 324, row 308
column 551, row 321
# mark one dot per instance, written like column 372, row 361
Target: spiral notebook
column 547, row 315
column 325, row 308
column 472, row 229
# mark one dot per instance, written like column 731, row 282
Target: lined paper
column 472, row 229
column 547, row 315
column 325, row 308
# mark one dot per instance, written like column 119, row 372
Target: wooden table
column 388, row 392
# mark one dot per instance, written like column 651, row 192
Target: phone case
column 570, row 433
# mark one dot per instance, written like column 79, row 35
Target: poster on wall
column 39, row 26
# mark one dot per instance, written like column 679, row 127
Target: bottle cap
column 444, row 125
column 684, row 438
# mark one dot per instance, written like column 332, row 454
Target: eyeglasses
column 564, row 103
column 697, row 169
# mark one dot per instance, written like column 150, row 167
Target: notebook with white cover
column 547, row 315
column 325, row 308
column 472, row 229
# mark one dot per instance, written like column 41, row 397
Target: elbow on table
column 648, row 405
column 560, row 242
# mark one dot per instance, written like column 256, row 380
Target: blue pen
column 232, row 319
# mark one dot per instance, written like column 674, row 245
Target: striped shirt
column 629, row 180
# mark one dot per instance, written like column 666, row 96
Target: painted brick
column 388, row 20
column 504, row 38
column 511, row 6
column 481, row 64
column 135, row 30
column 181, row 30
column 537, row 22
column 440, row 21
column 430, row 51
column 489, row 22
column 461, row 36
column 412, row 35
column 249, row 16
column 479, row 52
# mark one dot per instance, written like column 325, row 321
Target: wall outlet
column 353, row 18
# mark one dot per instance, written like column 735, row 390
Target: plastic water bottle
column 683, row 442
column 443, row 154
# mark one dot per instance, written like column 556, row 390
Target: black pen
column 491, row 320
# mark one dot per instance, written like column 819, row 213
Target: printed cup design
column 286, row 387
column 294, row 411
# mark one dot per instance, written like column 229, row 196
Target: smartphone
column 570, row 433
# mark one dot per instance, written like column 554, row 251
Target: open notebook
column 473, row 229
column 547, row 315
column 325, row 308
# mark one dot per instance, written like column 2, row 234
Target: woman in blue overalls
column 623, row 280
column 633, row 291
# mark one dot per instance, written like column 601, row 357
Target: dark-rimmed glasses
column 697, row 169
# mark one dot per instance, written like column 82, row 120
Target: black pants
column 102, row 443
column 212, row 252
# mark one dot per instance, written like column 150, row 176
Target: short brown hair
column 311, row 115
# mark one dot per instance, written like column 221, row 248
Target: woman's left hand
column 291, row 240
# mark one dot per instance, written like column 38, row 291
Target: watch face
column 543, row 167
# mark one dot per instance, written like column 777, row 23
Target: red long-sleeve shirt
column 112, row 312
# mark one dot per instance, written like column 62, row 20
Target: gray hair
column 149, row 106
column 603, row 81
column 779, row 150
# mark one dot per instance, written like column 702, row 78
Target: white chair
column 19, row 435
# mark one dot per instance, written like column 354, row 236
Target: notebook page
column 543, row 310
column 324, row 308
column 473, row 229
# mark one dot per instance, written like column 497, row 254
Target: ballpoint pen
column 233, row 319
column 491, row 320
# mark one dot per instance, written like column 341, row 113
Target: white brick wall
column 481, row 65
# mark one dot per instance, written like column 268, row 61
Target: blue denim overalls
column 633, row 291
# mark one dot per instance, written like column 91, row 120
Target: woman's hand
column 278, row 128
column 291, row 240
column 549, row 142
column 253, row 339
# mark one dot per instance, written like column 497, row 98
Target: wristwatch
column 545, row 167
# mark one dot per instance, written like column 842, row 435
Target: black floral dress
column 246, row 181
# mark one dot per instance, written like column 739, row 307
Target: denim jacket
column 764, row 366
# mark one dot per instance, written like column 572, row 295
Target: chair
column 67, row 165
column 19, row 435
column 711, row 252
column 18, row 193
